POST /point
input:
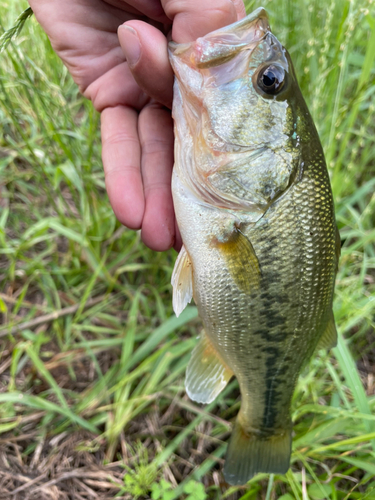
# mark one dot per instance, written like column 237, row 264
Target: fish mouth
column 223, row 44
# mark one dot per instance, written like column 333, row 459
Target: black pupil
column 269, row 79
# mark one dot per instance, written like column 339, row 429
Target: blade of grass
column 39, row 403
column 354, row 382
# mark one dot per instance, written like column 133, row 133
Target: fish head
column 237, row 96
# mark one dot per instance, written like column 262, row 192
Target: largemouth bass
column 260, row 245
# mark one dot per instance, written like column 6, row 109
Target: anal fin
column 206, row 374
column 328, row 340
column 182, row 282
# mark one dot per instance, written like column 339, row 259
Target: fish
column 260, row 252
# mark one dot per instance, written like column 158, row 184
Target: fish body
column 260, row 248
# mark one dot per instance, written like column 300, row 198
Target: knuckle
column 157, row 186
column 116, row 138
column 157, row 146
column 223, row 8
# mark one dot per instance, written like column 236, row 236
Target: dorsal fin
column 337, row 247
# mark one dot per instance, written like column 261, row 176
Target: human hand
column 129, row 80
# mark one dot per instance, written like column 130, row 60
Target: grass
column 92, row 357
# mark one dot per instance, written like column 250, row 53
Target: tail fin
column 248, row 454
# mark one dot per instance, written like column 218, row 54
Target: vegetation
column 92, row 357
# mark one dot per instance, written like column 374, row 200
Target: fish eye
column 271, row 79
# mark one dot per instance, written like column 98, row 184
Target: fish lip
column 223, row 43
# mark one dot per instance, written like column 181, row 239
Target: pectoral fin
column 206, row 374
column 182, row 282
column 329, row 338
column 241, row 261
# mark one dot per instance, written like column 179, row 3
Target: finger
column 55, row 15
column 149, row 8
column 121, row 155
column 84, row 34
column 116, row 87
column 240, row 8
column 156, row 136
column 146, row 52
column 195, row 18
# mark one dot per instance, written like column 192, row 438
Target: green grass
column 103, row 382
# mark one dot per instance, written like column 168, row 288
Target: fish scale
column 260, row 241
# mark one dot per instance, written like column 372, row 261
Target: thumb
column 146, row 52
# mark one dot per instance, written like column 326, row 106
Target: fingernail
column 130, row 44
